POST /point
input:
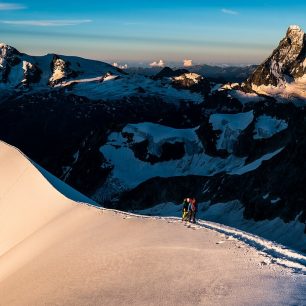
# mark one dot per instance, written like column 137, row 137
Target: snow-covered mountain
column 21, row 74
column 284, row 72
column 183, row 79
column 133, row 142
column 19, row 70
column 219, row 74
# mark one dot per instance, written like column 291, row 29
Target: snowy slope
column 245, row 97
column 277, row 234
column 84, row 68
column 134, row 85
column 231, row 126
column 119, row 153
column 129, row 170
column 125, row 163
column 38, row 72
column 256, row 163
column 55, row 251
column 159, row 134
column 63, row 188
column 295, row 90
column 267, row 126
column 21, row 195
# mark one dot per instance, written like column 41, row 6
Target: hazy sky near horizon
column 214, row 31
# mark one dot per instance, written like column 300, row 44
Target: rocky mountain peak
column 4, row 46
column 285, row 65
column 7, row 51
column 9, row 57
column 61, row 70
column 295, row 32
column 167, row 72
column 293, row 45
column 193, row 78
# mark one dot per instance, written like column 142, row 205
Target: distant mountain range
column 219, row 74
column 132, row 141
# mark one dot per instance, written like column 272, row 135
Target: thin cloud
column 161, row 63
column 4, row 6
column 47, row 23
column 131, row 23
column 187, row 63
column 229, row 12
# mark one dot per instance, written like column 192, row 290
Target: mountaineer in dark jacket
column 185, row 214
column 192, row 210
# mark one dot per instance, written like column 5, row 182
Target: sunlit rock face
column 287, row 62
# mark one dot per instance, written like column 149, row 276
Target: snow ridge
column 277, row 253
column 280, row 254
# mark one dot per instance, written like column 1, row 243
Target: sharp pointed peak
column 294, row 30
column 8, row 47
column 294, row 27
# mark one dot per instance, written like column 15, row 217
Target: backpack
column 194, row 206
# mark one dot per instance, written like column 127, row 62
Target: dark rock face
column 209, row 138
column 225, row 74
column 32, row 74
column 286, row 63
column 158, row 190
column 52, row 127
column 193, row 82
column 169, row 151
column 220, row 102
column 217, row 74
column 167, row 72
column 172, row 151
column 61, row 71
column 183, row 79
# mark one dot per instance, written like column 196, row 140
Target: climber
column 192, row 210
column 185, row 214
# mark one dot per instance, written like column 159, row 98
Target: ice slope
column 133, row 85
column 158, row 134
column 267, row 126
column 256, row 163
column 230, row 126
column 244, row 97
column 118, row 152
column 56, row 252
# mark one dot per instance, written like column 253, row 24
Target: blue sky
column 214, row 31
